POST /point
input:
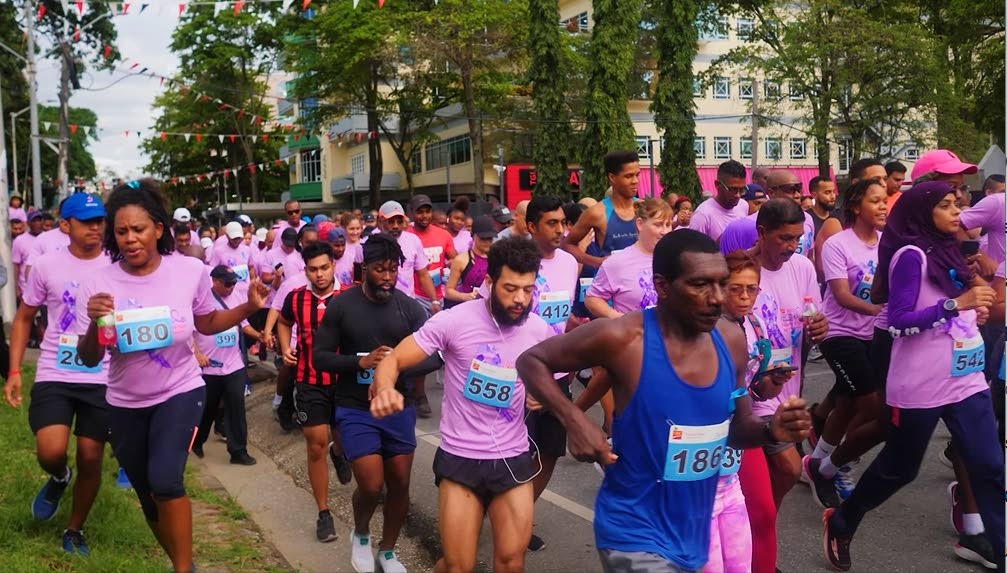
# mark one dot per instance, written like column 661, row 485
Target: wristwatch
column 767, row 432
column 951, row 305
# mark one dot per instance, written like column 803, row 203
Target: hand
column 100, row 305
column 257, row 293
column 817, row 327
column 290, row 357
column 982, row 265
column 770, row 384
column 588, row 443
column 278, row 273
column 269, row 340
column 473, row 295
column 202, row 359
column 375, row 357
column 386, row 402
column 982, row 315
column 12, row 390
column 435, row 307
column 531, row 403
column 791, row 422
column 976, row 297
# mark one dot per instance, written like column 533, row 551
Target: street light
column 13, row 140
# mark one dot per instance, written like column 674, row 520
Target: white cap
column 245, row 219
column 182, row 215
column 206, row 242
column 260, row 234
column 233, row 230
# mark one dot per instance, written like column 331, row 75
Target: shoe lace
column 843, row 480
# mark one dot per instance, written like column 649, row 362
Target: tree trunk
column 374, row 139
column 475, row 128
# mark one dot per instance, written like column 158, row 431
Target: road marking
column 564, row 503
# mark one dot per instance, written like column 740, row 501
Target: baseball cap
column 368, row 218
column 224, row 273
column 419, row 201
column 288, row 237
column 36, row 214
column 754, row 191
column 482, row 227
column 260, row 234
column 245, row 220
column 335, row 234
column 941, row 161
column 319, row 219
column 83, row 207
column 206, row 242
column 182, row 215
column 391, row 209
column 502, row 215
column 233, row 230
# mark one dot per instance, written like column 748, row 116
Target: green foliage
column 14, row 88
column 97, row 31
column 80, row 164
column 549, row 90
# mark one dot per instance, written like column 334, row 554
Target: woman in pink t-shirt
column 155, row 388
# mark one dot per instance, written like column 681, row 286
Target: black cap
column 502, row 215
column 368, row 218
column 224, row 273
column 482, row 227
column 419, row 201
column 288, row 237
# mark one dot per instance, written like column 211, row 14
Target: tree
column 549, row 91
column 14, row 88
column 607, row 123
column 81, row 163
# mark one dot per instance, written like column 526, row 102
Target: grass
column 116, row 530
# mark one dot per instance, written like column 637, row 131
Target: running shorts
column 547, row 432
column 314, row 404
column 850, row 360
column 58, row 403
column 363, row 435
column 486, row 478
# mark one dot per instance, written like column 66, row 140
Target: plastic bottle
column 809, row 310
column 106, row 330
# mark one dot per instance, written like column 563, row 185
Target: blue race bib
column 731, row 461
column 143, row 329
column 695, row 452
column 226, row 339
column 863, row 290
column 67, row 358
column 554, row 307
column 585, row 284
column 241, row 271
column 1003, row 366
column 364, row 376
column 490, row 385
column 968, row 356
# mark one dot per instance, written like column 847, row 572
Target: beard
column 378, row 291
column 501, row 314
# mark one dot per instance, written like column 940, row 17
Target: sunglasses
column 294, row 212
column 793, row 188
column 752, row 290
column 733, row 190
column 229, row 284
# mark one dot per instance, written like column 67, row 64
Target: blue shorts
column 363, row 435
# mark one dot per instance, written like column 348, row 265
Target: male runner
column 678, row 375
column 712, row 217
column 358, row 330
column 234, row 253
column 783, row 184
column 293, row 221
column 483, row 464
column 20, row 249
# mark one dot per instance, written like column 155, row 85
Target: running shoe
column 343, row 469
column 947, row 455
column 977, row 549
column 423, row 407
column 837, row 547
column 844, row 482
column 325, row 529
column 361, row 555
column 814, row 354
column 248, row 390
column 388, row 562
column 243, row 459
column 957, row 513
column 536, row 543
column 46, row 501
column 822, row 488
column 73, row 542
column 122, row 480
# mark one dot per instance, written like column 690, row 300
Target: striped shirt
column 304, row 309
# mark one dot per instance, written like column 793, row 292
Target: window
column 721, row 147
column 744, row 27
column 582, row 22
column 699, row 146
column 845, row 155
column 773, row 148
column 798, row 148
column 697, row 88
column 771, row 90
column 311, row 166
column 745, row 88
column 912, row 154
column 643, row 147
column 745, row 148
column 415, row 160
column 713, row 27
column 357, row 164
column 449, row 152
column 794, row 93
column 721, row 88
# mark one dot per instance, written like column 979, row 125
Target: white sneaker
column 361, row 556
column 388, row 562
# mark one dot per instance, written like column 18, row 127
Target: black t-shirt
column 834, row 214
column 354, row 324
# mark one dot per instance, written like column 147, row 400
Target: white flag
column 187, row 136
column 221, row 138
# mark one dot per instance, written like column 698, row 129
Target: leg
column 89, row 454
column 541, row 480
column 50, row 449
column 511, row 516
column 214, row 390
column 316, row 439
column 129, row 431
column 715, row 556
column 234, row 410
column 397, row 473
column 784, row 471
column 758, row 491
column 735, row 532
column 460, row 518
column 369, row 473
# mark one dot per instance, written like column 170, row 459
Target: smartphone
column 782, row 370
column 277, row 267
column 970, row 247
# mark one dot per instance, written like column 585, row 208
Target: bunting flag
column 143, row 7
column 221, row 138
column 46, row 125
column 125, row 133
column 381, row 3
column 164, row 136
column 181, row 9
column 304, row 4
column 199, row 137
column 65, row 4
column 187, row 136
column 135, row 65
column 41, row 11
column 73, row 128
column 80, row 7
column 355, row 2
column 107, row 52
column 125, row 8
column 237, row 6
column 76, row 34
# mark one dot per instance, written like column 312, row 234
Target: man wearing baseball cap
column 182, row 215
column 414, row 270
column 234, row 254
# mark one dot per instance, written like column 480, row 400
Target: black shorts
column 881, row 354
column 547, row 432
column 850, row 359
column 58, row 403
column 486, row 478
column 314, row 405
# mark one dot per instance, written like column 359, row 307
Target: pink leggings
column 730, row 535
column 758, row 490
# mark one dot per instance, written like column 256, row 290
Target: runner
column 343, row 257
column 783, row 184
column 654, row 508
column 183, row 216
column 518, row 225
column 934, row 303
column 358, row 330
column 861, row 170
column 21, row 248
column 224, row 372
column 293, row 221
column 683, row 213
column 483, row 465
column 896, row 173
column 712, row 217
column 468, row 269
column 64, row 389
column 461, row 237
column 236, row 255
column 314, row 392
column 354, row 229
column 155, row 391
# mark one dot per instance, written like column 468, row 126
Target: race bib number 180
column 143, row 328
column 695, row 452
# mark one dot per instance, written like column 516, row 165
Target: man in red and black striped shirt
column 314, row 391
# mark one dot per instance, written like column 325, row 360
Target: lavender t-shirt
column 239, row 259
column 557, row 281
column 19, row 252
column 51, row 240
column 463, row 241
column 469, row 340
column 711, row 218
column 626, row 278
column 988, row 214
column 806, row 243
column 223, row 347
column 416, row 259
column 344, row 270
column 180, row 288
column 846, row 257
column 780, row 305
column 55, row 282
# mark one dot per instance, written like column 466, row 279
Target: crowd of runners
column 690, row 324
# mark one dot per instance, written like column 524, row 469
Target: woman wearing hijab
column 935, row 304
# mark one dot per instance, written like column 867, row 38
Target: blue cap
column 83, row 207
column 754, row 191
column 335, row 234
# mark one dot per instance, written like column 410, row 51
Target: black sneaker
column 325, row 530
column 286, row 419
column 536, row 543
column 343, row 469
column 74, row 543
column 243, row 459
column 822, row 488
column 837, row 547
column 198, row 450
column 977, row 549
column 423, row 407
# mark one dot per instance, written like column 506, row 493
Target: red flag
column 199, row 178
column 162, row 80
column 258, row 120
column 265, row 138
column 199, row 137
column 76, row 34
column 278, row 162
column 226, row 173
column 237, row 6
column 174, row 180
column 80, row 8
column 184, row 89
column 381, row 3
column 135, row 65
column 73, row 128
column 304, row 5
column 241, row 112
column 107, row 51
column 125, row 133
column 164, row 136
column 41, row 11
column 125, row 7
column 297, row 137
column 231, row 137
column 181, row 8
column 251, row 167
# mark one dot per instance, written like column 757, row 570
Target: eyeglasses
column 751, row 290
column 735, row 190
column 229, row 284
column 792, row 188
column 294, row 212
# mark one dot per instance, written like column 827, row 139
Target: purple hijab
column 911, row 222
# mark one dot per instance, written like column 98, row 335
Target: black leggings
column 230, row 388
column 152, row 445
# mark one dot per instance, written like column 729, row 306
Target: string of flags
column 124, row 8
column 177, row 180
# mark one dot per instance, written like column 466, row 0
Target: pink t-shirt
column 292, row 283
column 478, row 354
column 55, row 283
column 626, row 278
column 152, row 310
column 780, row 305
column 1001, row 270
column 293, row 262
column 355, row 251
column 239, row 259
column 846, row 257
column 556, row 282
column 806, row 243
column 277, row 239
column 344, row 270
column 223, row 347
column 416, row 258
column 462, row 241
column 988, row 214
column 711, row 218
column 46, row 242
column 436, row 244
column 19, row 253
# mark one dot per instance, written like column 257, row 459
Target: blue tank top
column 658, row 497
column 619, row 234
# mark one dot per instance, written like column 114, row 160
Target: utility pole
column 36, row 165
column 755, row 124
column 7, row 302
column 62, row 173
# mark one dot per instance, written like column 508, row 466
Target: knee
column 51, row 458
column 466, row 565
column 165, row 484
column 370, row 488
column 509, row 562
column 316, row 449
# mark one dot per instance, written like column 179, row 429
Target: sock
column 822, row 450
column 363, row 539
column 324, row 512
column 973, row 524
column 277, row 399
column 826, row 468
column 386, row 555
column 65, row 478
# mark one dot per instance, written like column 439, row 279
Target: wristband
column 12, row 372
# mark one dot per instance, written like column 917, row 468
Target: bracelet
column 12, row 372
column 767, row 432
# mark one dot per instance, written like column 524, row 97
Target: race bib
column 67, row 358
column 804, row 244
column 781, row 357
column 863, row 290
column 585, row 284
column 241, row 271
column 490, row 385
column 226, row 339
column 554, row 307
column 968, row 356
column 437, row 277
column 731, row 461
column 695, row 452
column 143, row 329
column 364, row 377
column 1003, row 366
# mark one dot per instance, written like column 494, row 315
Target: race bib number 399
column 490, row 385
column 695, row 452
column 143, row 328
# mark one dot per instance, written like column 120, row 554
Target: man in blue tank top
column 672, row 421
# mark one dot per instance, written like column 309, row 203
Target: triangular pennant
column 221, row 138
column 181, row 9
column 138, row 134
column 218, row 7
column 46, row 125
column 73, row 129
column 304, row 4
column 164, row 136
column 162, row 80
column 65, row 4
column 125, row 7
column 238, row 6
column 255, row 139
column 41, row 11
column 80, row 7
column 135, row 65
column 251, row 168
column 143, row 7
column 278, row 162
column 125, row 133
column 260, row 166
column 241, row 112
column 199, row 137
column 76, row 34
column 94, row 132
column 381, row 3
column 107, row 52
column 286, row 4
column 227, row 173
column 355, row 2
column 174, row 180
column 232, row 137
column 265, row 138
column 183, row 181
column 142, row 71
column 187, row 136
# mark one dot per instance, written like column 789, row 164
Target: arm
column 587, row 222
column 903, row 295
column 221, row 320
column 252, row 333
column 841, row 292
column 20, row 327
column 90, row 351
column 451, row 289
column 385, row 399
column 283, row 336
column 599, row 308
column 600, row 384
column 267, row 333
column 829, row 228
column 427, row 286
column 17, row 284
column 202, row 359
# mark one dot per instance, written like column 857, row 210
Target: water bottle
column 106, row 330
column 810, row 310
